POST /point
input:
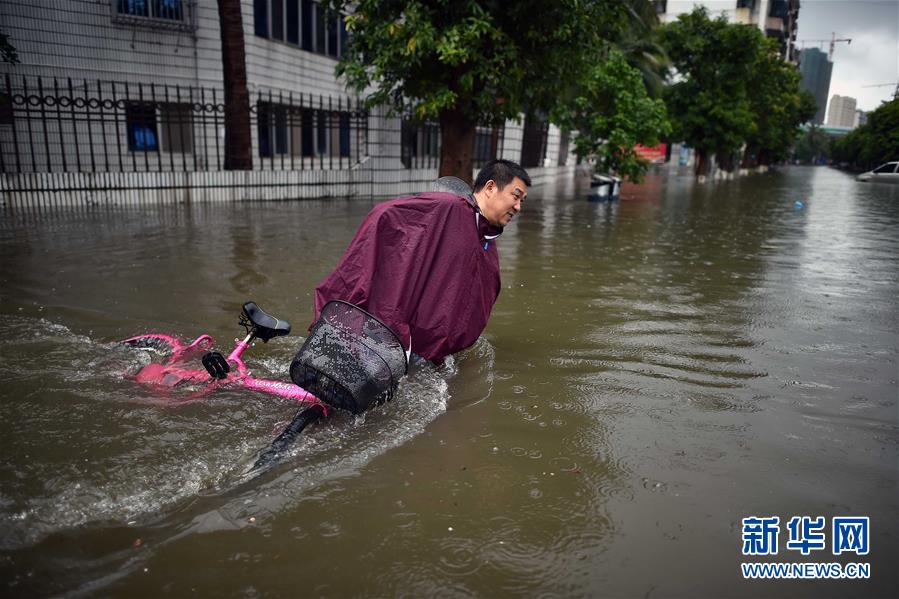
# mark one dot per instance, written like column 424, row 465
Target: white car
column 884, row 172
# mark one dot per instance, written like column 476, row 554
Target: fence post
column 102, row 125
column 128, row 134
column 321, row 113
column 330, row 138
column 215, row 132
column 40, row 91
column 74, row 124
column 206, row 132
column 12, row 112
column 168, row 129
column 90, row 132
column 156, row 106
column 62, row 147
column 272, row 139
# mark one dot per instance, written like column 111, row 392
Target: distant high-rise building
column 816, row 69
column 842, row 112
column 861, row 118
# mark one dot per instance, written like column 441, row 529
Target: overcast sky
column 871, row 58
column 873, row 55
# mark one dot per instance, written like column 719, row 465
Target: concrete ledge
column 114, row 189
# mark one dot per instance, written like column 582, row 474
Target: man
column 427, row 265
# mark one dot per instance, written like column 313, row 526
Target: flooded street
column 655, row 370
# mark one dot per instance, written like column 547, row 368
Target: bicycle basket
column 350, row 360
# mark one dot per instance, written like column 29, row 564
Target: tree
column 779, row 107
column 611, row 113
column 640, row 44
column 238, row 141
column 813, row 146
column 7, row 50
column 708, row 100
column 873, row 143
column 469, row 62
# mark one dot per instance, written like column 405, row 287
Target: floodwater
column 655, row 371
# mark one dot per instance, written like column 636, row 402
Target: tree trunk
column 725, row 161
column 494, row 142
column 238, row 142
column 702, row 163
column 750, row 157
column 457, row 144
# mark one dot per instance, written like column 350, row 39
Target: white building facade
column 121, row 99
column 841, row 112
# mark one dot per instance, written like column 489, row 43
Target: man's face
column 501, row 205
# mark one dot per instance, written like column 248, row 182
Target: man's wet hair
column 502, row 172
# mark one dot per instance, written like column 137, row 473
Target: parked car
column 885, row 172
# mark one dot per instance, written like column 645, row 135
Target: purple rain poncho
column 427, row 266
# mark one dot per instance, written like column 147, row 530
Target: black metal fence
column 302, row 131
column 80, row 126
column 488, row 144
column 106, row 126
column 420, row 143
column 534, row 142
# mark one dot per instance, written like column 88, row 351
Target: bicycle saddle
column 264, row 324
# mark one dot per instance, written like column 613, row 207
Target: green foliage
column 779, row 106
column 469, row 62
column 489, row 60
column 814, row 146
column 612, row 112
column 639, row 42
column 7, row 51
column 709, row 101
column 731, row 87
column 873, row 143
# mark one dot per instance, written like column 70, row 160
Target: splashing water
column 110, row 450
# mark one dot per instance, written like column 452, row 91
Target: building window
column 295, row 131
column 420, row 147
column 300, row 23
column 533, row 144
column 344, row 134
column 155, row 14
column 140, row 122
column 308, row 23
column 260, row 17
column 155, row 9
column 486, row 144
column 176, row 128
column 271, row 127
column 6, row 114
column 153, row 127
column 292, row 21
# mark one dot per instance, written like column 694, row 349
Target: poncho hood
column 427, row 266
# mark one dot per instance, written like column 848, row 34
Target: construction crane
column 833, row 41
column 895, row 91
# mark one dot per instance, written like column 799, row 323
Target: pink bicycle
column 350, row 360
